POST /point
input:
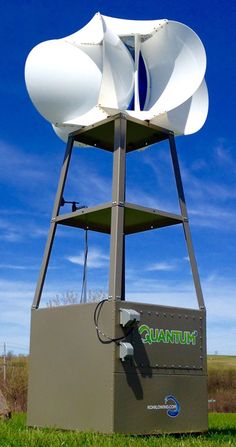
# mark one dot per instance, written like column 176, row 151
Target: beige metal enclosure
column 77, row 382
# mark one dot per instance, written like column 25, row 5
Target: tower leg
column 186, row 227
column 53, row 225
column 117, row 255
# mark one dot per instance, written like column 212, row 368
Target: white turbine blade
column 143, row 115
column 189, row 117
column 176, row 61
column 89, row 39
column 118, row 73
column 124, row 27
column 62, row 80
column 96, row 114
column 91, row 34
column 94, row 73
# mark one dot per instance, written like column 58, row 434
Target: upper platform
column 139, row 134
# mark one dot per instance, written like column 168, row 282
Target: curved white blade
column 189, row 117
column 176, row 61
column 118, row 72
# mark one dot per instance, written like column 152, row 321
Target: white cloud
column 140, row 197
column 199, row 165
column 209, row 201
column 18, row 267
column 200, row 189
column 18, row 166
column 93, row 187
column 20, row 228
column 210, row 216
column 8, row 231
column 96, row 258
column 161, row 266
column 224, row 156
column 10, row 236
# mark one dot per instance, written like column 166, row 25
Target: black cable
column 96, row 315
column 85, row 267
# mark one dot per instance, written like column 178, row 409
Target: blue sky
column 157, row 265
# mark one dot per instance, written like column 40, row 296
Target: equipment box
column 78, row 380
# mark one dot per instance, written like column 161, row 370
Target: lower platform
column 77, row 382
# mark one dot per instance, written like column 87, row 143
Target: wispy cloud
column 211, row 202
column 89, row 184
column 10, row 236
column 224, row 156
column 96, row 258
column 198, row 188
column 8, row 231
column 18, row 267
column 160, row 164
column 209, row 216
column 161, row 266
column 15, row 302
column 17, row 165
column 15, row 231
column 138, row 196
column 199, row 165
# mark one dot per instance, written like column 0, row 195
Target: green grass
column 14, row 433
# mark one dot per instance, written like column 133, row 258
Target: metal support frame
column 53, row 225
column 186, row 227
column 117, row 239
column 117, row 244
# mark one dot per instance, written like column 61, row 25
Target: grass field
column 221, row 361
column 13, row 433
column 222, row 382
